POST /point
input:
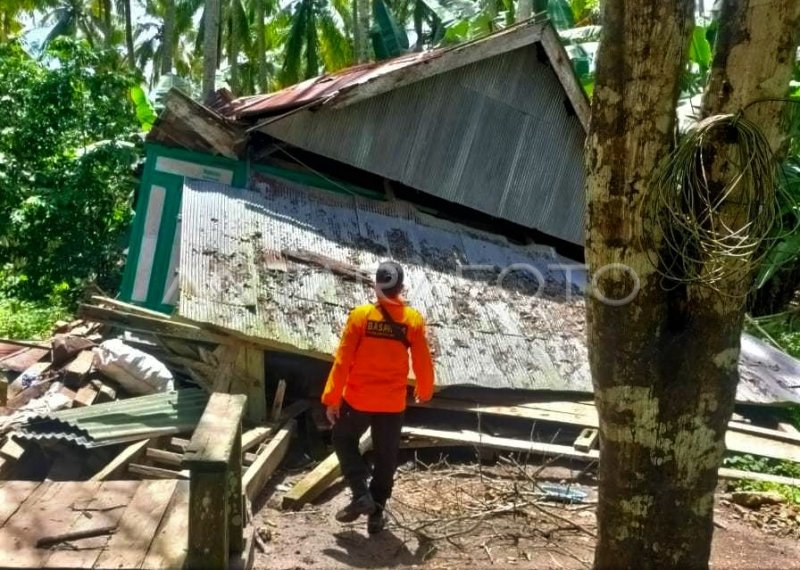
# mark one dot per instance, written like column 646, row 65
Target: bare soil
column 479, row 517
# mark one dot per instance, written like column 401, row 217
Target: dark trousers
column 386, row 428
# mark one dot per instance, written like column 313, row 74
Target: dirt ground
column 439, row 520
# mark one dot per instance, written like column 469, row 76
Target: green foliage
column 772, row 467
column 31, row 319
column 68, row 143
column 144, row 110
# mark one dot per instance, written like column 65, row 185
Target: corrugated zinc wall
column 495, row 136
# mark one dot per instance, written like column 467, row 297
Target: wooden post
column 235, row 496
column 277, row 403
column 214, row 457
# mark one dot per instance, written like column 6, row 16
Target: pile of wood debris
column 51, row 381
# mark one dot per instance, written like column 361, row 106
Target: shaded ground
column 439, row 520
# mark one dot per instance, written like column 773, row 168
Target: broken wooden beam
column 165, row 457
column 151, row 325
column 336, row 267
column 151, row 472
column 739, row 438
column 46, row 541
column 118, row 465
column 322, row 477
column 11, row 450
column 277, row 401
column 85, row 396
column 78, row 369
column 267, row 461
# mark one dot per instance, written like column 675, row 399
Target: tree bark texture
column 168, row 38
column 260, row 46
column 362, row 30
column 664, row 363
column 129, row 35
column 210, row 39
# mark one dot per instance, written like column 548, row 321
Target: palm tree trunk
column 210, row 47
column 361, row 30
column 524, row 10
column 168, row 38
column 129, row 33
column 107, row 29
column 260, row 46
column 233, row 46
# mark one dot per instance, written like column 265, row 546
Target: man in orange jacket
column 366, row 388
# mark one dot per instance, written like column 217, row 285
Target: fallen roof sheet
column 487, row 328
column 367, row 80
column 120, row 421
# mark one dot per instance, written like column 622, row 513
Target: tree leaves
column 144, row 110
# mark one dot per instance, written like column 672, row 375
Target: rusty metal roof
column 367, row 80
column 486, row 326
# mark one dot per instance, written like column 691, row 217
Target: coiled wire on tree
column 713, row 226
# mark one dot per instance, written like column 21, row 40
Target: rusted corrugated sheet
column 495, row 136
column 486, row 326
column 482, row 334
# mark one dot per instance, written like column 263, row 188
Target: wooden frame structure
column 216, row 501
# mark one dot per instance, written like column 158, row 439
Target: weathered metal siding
column 495, row 136
column 485, row 325
column 233, row 276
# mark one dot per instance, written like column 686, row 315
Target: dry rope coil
column 712, row 226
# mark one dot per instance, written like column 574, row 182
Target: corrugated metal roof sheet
column 122, row 420
column 494, row 136
column 369, row 79
column 232, row 275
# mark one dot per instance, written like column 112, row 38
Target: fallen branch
column 46, row 541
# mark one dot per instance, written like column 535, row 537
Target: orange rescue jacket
column 370, row 370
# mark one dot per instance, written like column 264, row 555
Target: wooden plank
column 249, row 379
column 151, row 325
column 129, row 308
column 165, row 457
column 151, row 472
column 502, row 42
column 12, row 495
column 277, row 401
column 252, row 437
column 105, row 508
column 473, row 438
column 204, row 124
column 76, row 371
column 29, row 393
column 23, row 359
column 726, row 473
column 561, row 65
column 182, row 444
column 740, row 437
column 213, row 440
column 587, row 440
column 786, row 427
column 267, row 461
column 322, row 477
column 130, row 544
column 227, row 355
column 85, row 396
column 121, row 461
column 49, row 514
column 171, row 543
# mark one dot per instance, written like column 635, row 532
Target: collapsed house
column 259, row 224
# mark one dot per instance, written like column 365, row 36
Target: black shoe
column 364, row 505
column 376, row 522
